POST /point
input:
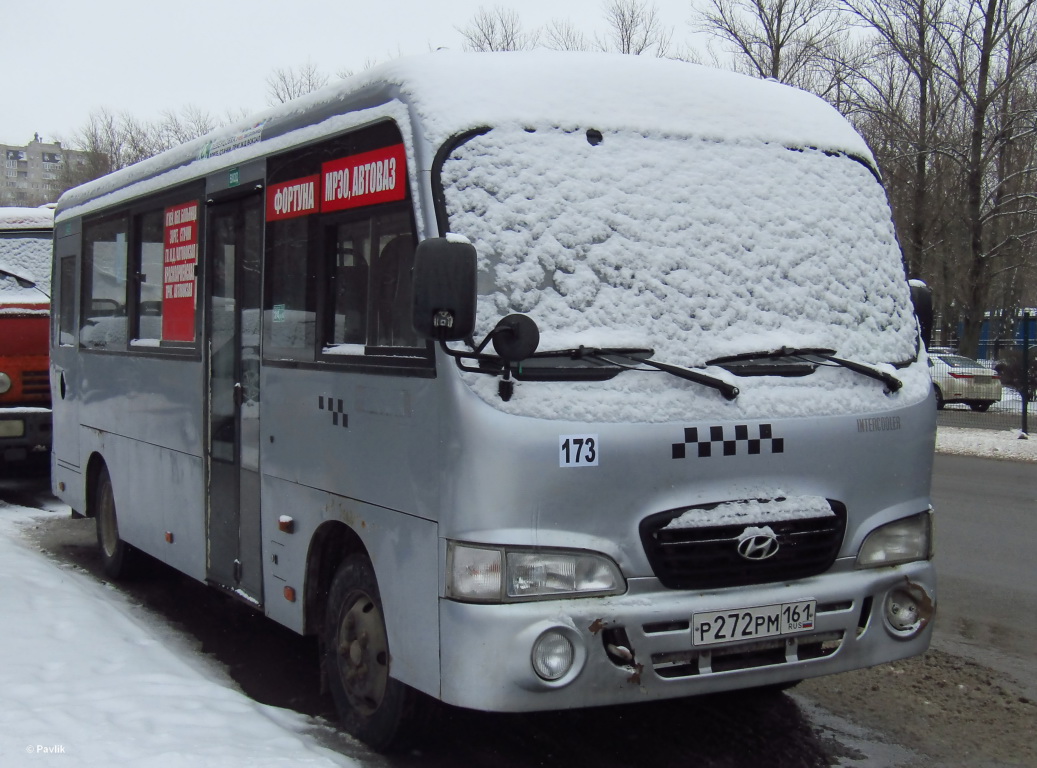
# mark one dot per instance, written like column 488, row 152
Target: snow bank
column 988, row 443
column 84, row 678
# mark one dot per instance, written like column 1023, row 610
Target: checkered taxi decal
column 704, row 442
column 334, row 406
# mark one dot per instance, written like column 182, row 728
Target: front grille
column 765, row 653
column 35, row 383
column 706, row 557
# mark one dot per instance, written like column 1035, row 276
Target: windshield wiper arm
column 634, row 357
column 729, row 391
column 771, row 355
column 892, row 382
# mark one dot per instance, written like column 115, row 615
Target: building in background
column 36, row 173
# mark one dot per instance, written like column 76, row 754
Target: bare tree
column 498, row 29
column 900, row 91
column 990, row 56
column 187, row 124
column 635, row 28
column 780, row 39
column 102, row 140
column 563, row 35
column 286, row 84
column 112, row 141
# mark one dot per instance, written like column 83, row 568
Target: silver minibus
column 524, row 381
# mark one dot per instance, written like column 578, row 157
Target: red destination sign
column 378, row 176
column 179, row 260
column 292, row 198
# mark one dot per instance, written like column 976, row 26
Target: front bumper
column 485, row 649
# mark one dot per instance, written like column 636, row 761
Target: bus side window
column 104, row 321
column 289, row 316
column 67, row 306
column 370, row 286
column 394, row 289
column 350, row 275
column 148, row 263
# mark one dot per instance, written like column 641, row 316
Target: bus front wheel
column 384, row 713
column 118, row 559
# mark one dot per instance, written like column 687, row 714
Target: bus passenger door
column 235, row 235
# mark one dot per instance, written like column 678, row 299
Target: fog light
column 553, row 655
column 907, row 611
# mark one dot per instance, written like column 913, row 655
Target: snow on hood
column 27, row 218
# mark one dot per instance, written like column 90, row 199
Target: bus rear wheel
column 384, row 713
column 118, row 559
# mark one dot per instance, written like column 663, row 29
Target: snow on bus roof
column 454, row 92
column 449, row 93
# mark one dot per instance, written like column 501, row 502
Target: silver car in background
column 959, row 379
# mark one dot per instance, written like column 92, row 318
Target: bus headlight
column 901, row 541
column 5, row 382
column 500, row 574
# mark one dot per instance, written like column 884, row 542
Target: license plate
column 714, row 627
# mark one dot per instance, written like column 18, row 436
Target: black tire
column 981, row 405
column 939, row 399
column 118, row 559
column 382, row 712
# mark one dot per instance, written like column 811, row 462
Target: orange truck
column 26, row 236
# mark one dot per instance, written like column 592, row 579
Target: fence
column 998, row 391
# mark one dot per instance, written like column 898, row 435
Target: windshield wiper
column 515, row 339
column 729, row 391
column 804, row 354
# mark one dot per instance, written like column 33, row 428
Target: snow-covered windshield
column 695, row 248
column 26, row 255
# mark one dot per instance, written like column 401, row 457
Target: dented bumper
column 639, row 646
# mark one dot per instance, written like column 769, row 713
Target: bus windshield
column 24, row 255
column 695, row 248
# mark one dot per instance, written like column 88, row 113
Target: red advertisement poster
column 289, row 199
column 379, row 176
column 180, row 258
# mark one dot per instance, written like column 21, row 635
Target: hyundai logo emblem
column 758, row 543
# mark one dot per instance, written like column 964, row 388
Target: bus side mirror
column 444, row 289
column 922, row 298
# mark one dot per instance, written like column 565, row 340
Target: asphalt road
column 986, row 561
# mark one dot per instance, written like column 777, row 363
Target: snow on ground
column 86, row 675
column 989, row 443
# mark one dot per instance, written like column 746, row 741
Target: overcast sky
column 65, row 58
